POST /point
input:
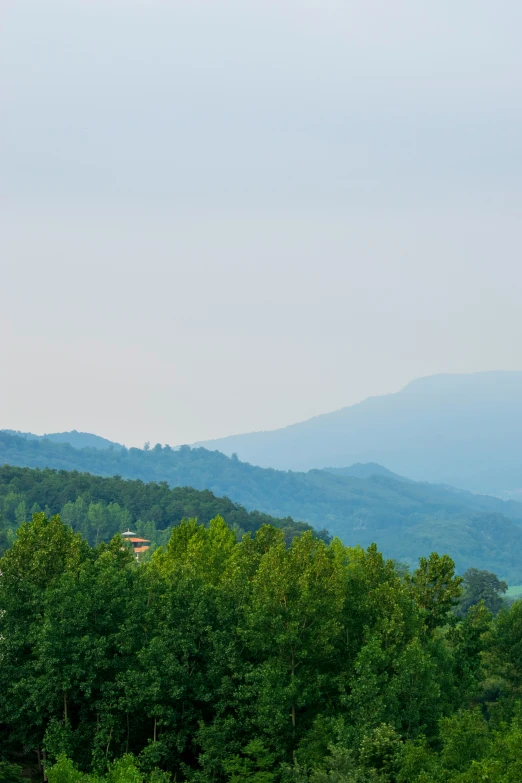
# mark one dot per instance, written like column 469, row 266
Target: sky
column 223, row 216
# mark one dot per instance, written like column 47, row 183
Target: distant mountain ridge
column 463, row 430
column 79, row 440
column 406, row 519
column 365, row 470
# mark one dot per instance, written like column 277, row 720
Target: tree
column 80, row 653
column 254, row 765
column 468, row 640
column 43, row 551
column 342, row 767
column 436, row 588
column 291, row 627
column 506, row 651
column 481, row 586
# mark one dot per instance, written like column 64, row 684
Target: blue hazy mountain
column 464, row 430
column 365, row 470
column 79, row 440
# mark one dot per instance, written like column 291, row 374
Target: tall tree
column 436, row 588
column 43, row 551
column 480, row 586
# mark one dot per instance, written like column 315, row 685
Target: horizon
column 205, row 442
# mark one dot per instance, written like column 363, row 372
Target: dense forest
column 405, row 518
column 99, row 508
column 252, row 661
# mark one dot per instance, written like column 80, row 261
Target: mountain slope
column 464, row 430
column 80, row 440
column 365, row 470
column 406, row 519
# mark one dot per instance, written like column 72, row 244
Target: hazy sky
column 221, row 216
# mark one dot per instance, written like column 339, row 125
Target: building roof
column 139, row 540
column 128, row 533
column 141, row 548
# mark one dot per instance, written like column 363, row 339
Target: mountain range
column 360, row 504
column 463, row 430
column 80, row 440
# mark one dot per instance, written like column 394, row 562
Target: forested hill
column 405, row 519
column 98, row 508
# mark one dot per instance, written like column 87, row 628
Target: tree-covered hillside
column 99, row 508
column 249, row 662
column 406, row 519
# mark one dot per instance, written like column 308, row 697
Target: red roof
column 139, row 540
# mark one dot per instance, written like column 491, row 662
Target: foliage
column 250, row 661
column 481, row 586
column 122, row 770
column 10, row 773
column 436, row 589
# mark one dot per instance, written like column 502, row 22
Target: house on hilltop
column 139, row 545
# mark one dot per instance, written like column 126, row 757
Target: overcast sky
column 221, row 216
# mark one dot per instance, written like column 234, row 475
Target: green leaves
column 10, row 773
column 436, row 588
column 43, row 549
column 254, row 765
column 480, row 586
column 507, row 648
column 253, row 660
column 123, row 770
